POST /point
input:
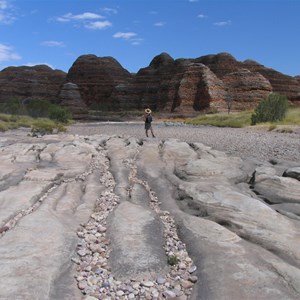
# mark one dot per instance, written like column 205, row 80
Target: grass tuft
column 13, row 122
column 243, row 119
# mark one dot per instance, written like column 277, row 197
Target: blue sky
column 57, row 32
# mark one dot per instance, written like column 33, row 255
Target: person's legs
column 146, row 132
column 152, row 132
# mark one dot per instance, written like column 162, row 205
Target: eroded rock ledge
column 99, row 216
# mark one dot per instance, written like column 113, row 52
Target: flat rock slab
column 137, row 236
column 241, row 231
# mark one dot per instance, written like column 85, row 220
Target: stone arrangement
column 94, row 274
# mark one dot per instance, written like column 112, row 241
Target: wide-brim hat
column 148, row 111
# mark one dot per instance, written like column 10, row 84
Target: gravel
column 250, row 142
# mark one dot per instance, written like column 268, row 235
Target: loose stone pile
column 94, row 276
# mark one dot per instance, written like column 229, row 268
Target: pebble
column 193, row 279
column 186, row 284
column 192, row 269
column 90, row 298
column 81, row 252
column 169, row 294
column 161, row 280
column 147, row 283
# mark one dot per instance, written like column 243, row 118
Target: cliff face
column 70, row 98
column 245, row 88
column 167, row 85
column 281, row 83
column 96, row 78
column 38, row 82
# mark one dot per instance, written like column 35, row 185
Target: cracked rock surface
column 121, row 217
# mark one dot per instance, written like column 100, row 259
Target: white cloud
column 6, row 16
column 124, row 35
column 52, row 44
column 159, row 24
column 222, row 23
column 128, row 36
column 81, row 17
column 109, row 11
column 98, row 25
column 88, row 20
column 136, row 41
column 201, row 16
column 7, row 53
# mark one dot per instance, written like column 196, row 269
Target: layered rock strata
column 70, row 98
column 37, row 82
column 182, row 86
column 96, row 78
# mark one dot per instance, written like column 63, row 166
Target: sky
column 57, row 32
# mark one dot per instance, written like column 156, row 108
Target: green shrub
column 12, row 106
column 59, row 114
column 235, row 119
column 173, row 260
column 46, row 126
column 271, row 109
column 3, row 126
column 38, row 108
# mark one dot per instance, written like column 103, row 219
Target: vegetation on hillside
column 39, row 115
column 271, row 109
column 243, row 119
column 42, row 125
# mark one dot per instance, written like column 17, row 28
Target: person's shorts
column 147, row 126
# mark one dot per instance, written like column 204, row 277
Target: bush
column 12, row 106
column 38, row 108
column 271, row 109
column 59, row 114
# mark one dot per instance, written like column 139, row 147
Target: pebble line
column 94, row 277
column 24, row 212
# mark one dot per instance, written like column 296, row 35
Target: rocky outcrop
column 281, row 83
column 245, row 88
column 182, row 86
column 178, row 85
column 105, row 216
column 38, row 82
column 221, row 64
column 97, row 78
column 70, row 98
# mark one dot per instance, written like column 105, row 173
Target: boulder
column 292, row 172
column 276, row 189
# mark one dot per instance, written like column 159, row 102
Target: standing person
column 148, row 121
